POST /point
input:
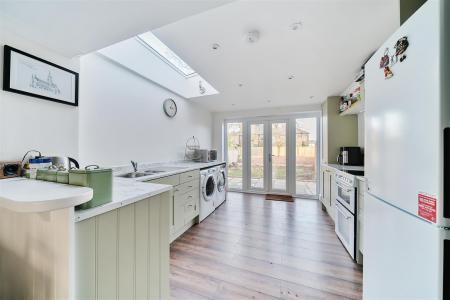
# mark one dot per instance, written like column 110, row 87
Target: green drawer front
column 170, row 180
column 188, row 176
column 187, row 186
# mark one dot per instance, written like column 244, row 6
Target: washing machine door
column 209, row 187
column 221, row 181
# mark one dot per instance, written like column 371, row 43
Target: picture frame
column 26, row 74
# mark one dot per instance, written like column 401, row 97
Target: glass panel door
column 278, row 156
column 306, row 154
column 257, row 155
column 234, row 133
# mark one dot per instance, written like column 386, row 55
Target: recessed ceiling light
column 296, row 25
column 240, row 84
column 268, row 101
column 252, row 36
column 291, row 77
column 215, row 46
column 311, row 97
column 232, row 104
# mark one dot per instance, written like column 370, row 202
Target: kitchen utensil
column 99, row 179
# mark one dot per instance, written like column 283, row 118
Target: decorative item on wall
column 388, row 61
column 29, row 75
column 170, row 107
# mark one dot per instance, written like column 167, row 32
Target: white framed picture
column 32, row 76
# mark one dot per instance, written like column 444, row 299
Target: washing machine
column 208, row 190
column 221, row 182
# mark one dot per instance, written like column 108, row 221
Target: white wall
column 28, row 122
column 121, row 117
column 220, row 117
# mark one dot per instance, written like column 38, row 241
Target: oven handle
column 342, row 212
column 347, row 189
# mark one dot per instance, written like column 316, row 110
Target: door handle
column 343, row 213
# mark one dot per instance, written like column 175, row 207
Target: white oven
column 345, row 228
column 346, row 193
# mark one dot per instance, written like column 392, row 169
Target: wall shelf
column 355, row 109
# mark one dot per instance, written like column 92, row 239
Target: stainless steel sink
column 133, row 175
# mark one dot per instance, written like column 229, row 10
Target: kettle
column 64, row 161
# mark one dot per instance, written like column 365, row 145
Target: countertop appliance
column 346, row 210
column 407, row 162
column 351, row 156
column 201, row 155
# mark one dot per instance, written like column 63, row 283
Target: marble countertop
column 361, row 178
column 131, row 190
column 28, row 195
column 177, row 168
column 125, row 191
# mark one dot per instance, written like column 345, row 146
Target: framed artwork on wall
column 29, row 75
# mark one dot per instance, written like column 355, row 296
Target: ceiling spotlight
column 291, row 77
column 240, row 84
column 252, row 36
column 296, row 26
column 268, row 101
column 232, row 104
column 311, row 97
column 215, row 46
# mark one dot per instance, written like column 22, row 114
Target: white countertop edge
column 92, row 212
column 46, row 206
column 361, row 178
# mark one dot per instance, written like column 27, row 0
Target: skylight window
column 155, row 44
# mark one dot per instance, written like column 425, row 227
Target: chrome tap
column 135, row 166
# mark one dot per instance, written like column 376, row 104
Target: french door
column 267, row 155
column 274, row 155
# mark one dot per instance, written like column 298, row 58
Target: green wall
column 408, row 7
column 341, row 130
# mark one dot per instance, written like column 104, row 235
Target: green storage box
column 41, row 174
column 100, row 180
column 50, row 175
column 62, row 176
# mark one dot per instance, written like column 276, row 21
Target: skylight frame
column 173, row 65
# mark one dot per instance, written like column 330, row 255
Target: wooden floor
column 252, row 248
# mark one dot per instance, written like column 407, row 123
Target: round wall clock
column 170, row 107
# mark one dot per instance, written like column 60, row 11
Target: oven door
column 346, row 194
column 345, row 228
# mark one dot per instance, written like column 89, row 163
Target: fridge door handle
column 446, row 173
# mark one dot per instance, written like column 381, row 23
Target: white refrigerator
column 407, row 161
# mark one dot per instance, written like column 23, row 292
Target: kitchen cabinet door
column 332, row 211
column 326, row 192
column 178, row 211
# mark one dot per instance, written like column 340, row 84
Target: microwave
column 351, row 156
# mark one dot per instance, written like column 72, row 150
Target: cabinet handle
column 189, row 197
column 190, row 186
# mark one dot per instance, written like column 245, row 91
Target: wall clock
column 170, row 107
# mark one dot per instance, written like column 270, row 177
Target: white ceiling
column 337, row 36
column 78, row 27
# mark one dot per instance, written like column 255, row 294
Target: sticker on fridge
column 427, row 206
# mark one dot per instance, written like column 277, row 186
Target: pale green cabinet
column 124, row 253
column 328, row 193
column 184, row 207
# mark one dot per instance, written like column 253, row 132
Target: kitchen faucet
column 135, row 166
